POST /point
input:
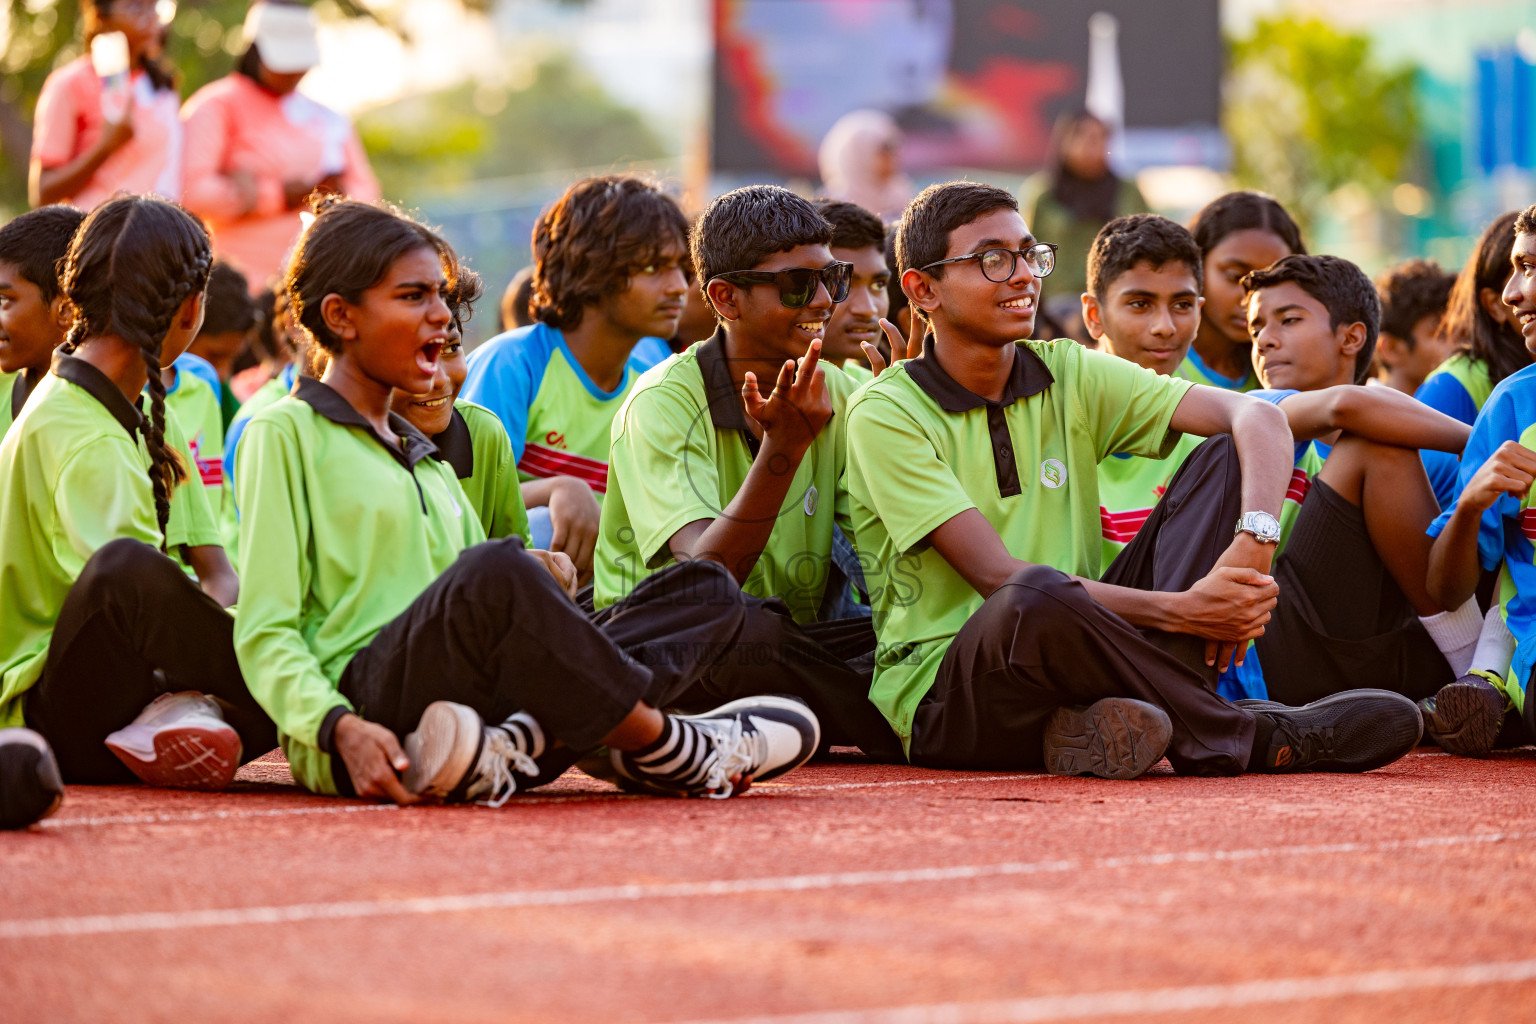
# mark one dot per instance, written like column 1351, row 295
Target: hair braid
column 167, row 470
column 131, row 266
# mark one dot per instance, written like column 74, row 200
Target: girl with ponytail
column 99, row 622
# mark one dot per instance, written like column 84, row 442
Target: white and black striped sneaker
column 720, row 753
column 456, row 758
column 30, row 786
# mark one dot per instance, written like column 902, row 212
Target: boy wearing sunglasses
column 734, row 451
column 973, row 474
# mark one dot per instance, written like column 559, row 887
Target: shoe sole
column 442, row 749
column 1115, row 738
column 188, row 756
column 1474, row 713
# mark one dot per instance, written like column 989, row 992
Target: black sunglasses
column 797, row 286
column 998, row 265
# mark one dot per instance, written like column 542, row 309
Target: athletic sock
column 681, row 754
column 1456, row 634
column 1495, row 646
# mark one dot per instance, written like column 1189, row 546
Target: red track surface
column 847, row 893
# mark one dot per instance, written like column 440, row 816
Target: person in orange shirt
column 82, row 156
column 256, row 148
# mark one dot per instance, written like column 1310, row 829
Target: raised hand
column 794, row 413
column 1509, row 470
column 909, row 347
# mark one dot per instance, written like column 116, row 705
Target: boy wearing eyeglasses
column 974, row 469
column 734, row 451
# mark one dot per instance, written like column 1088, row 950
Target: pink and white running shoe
column 180, row 741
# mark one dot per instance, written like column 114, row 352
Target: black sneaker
column 1353, row 731
column 1464, row 717
column 30, row 786
column 1114, row 738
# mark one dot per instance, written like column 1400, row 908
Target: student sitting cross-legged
column 403, row 655
column 609, row 276
column 1142, row 305
column 973, row 476
column 97, row 621
column 1491, row 526
column 1354, row 609
column 734, row 452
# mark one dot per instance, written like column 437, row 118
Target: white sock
column 1455, row 633
column 1496, row 645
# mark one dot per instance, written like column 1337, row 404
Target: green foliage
column 1309, row 109
column 560, row 120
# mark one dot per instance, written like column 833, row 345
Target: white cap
column 284, row 35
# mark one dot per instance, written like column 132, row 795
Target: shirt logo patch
column 810, row 500
column 555, row 439
column 1053, row 473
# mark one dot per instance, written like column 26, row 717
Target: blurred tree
column 1309, row 109
column 554, row 118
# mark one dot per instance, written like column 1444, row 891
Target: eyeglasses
column 998, row 265
column 797, row 286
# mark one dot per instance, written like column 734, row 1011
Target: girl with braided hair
column 402, row 654
column 99, row 622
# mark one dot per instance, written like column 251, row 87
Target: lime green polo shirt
column 340, row 533
column 477, row 447
column 1130, row 487
column 923, row 449
column 196, row 405
column 682, row 449
column 193, row 521
column 73, row 476
column 860, row 373
column 14, row 390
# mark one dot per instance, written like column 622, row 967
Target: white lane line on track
column 173, row 817
column 99, row 924
column 1169, row 1000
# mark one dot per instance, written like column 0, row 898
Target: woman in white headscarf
column 859, row 163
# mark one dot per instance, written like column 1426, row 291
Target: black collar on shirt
column 456, row 447
column 100, row 387
column 326, row 401
column 725, row 409
column 1029, row 377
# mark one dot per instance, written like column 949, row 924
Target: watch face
column 1261, row 524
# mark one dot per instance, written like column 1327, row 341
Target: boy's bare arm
column 1376, row 414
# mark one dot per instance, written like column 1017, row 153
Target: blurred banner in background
column 972, row 83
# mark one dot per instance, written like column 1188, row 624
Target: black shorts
column 1342, row 622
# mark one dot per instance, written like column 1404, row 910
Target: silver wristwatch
column 1264, row 527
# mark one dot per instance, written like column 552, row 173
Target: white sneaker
column 181, row 741
column 455, row 757
column 30, row 786
column 756, row 739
